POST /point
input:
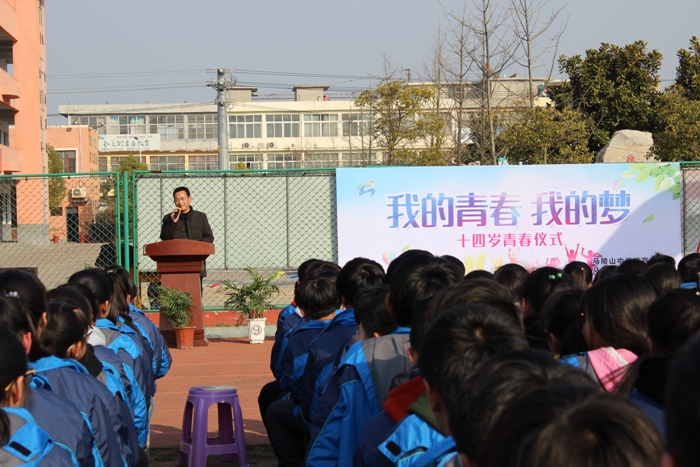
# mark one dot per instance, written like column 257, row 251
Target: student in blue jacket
column 318, row 299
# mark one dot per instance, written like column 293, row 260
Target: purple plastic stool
column 194, row 444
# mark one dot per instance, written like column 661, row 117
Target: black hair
column 119, row 307
column 318, row 297
column 539, row 285
column 483, row 291
column 634, row 266
column 479, row 274
column 357, row 274
column 14, row 316
column 662, row 277
column 657, row 258
column 83, row 291
column 65, row 293
column 561, row 317
column 302, row 272
column 181, row 188
column 415, row 281
column 459, row 340
column 689, row 267
column 456, row 263
column 98, row 281
column 512, row 275
column 13, row 364
column 682, row 405
column 370, row 310
column 605, row 271
column 484, row 396
column 405, row 256
column 67, row 325
column 580, row 273
column 29, row 289
column 572, row 425
column 674, row 319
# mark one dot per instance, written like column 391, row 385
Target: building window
column 282, row 126
column 202, row 126
column 320, row 125
column 358, row 159
column 115, row 160
column 94, row 122
column 321, row 160
column 245, row 126
column 68, row 160
column 126, row 125
column 283, row 161
column 357, row 124
column 167, row 126
column 102, row 164
column 167, row 163
column 251, row 161
column 203, row 163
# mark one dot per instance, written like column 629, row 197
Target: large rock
column 627, row 146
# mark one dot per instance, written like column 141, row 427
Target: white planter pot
column 256, row 330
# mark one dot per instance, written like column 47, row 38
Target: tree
column 397, row 126
column 615, row 86
column 688, row 71
column 57, row 185
column 545, row 135
column 678, row 134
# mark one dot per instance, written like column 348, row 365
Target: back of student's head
column 478, row 274
column 561, row 322
column 66, row 293
column 371, row 312
column 67, row 325
column 13, row 364
column 495, row 384
column 634, row 266
column 616, row 310
column 405, row 256
column 657, row 258
column 682, row 404
column 689, row 267
column 580, row 273
column 539, row 285
column 122, row 287
column 604, row 272
column 674, row 318
column 14, row 316
column 511, row 275
column 318, row 297
column 573, row 426
column 415, row 282
column 483, row 291
column 100, row 284
column 459, row 265
column 460, row 339
column 357, row 274
column 663, row 278
column 28, row 289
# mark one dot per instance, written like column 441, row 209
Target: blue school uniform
column 62, row 420
column 30, row 445
column 355, row 393
column 288, row 319
column 442, row 454
column 161, row 355
column 109, row 418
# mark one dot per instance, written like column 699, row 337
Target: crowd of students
column 78, row 366
column 422, row 365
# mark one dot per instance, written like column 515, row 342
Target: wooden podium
column 179, row 263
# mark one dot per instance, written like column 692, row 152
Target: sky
column 158, row 51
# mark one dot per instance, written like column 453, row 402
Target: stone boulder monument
column 627, row 146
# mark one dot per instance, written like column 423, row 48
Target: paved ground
column 232, row 362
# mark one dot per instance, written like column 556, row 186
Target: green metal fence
column 59, row 223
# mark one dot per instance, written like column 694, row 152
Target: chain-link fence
column 59, row 223
column 269, row 220
column 691, row 207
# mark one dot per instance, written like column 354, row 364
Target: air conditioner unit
column 271, row 145
column 245, row 145
column 78, row 192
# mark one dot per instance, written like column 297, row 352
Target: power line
column 182, row 72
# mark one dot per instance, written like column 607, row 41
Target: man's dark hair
column 318, row 297
column 181, row 188
column 483, row 291
column 462, row 338
column 661, row 258
column 415, row 281
column 370, row 310
column 357, row 274
column 683, row 406
column 689, row 267
column 479, row 274
column 634, row 266
column 482, row 398
column 512, row 275
column 663, row 278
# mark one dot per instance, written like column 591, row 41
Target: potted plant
column 176, row 306
column 251, row 299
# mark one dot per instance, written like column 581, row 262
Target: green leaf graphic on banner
column 656, row 172
column 636, row 167
column 670, row 170
column 676, row 195
column 665, row 184
column 657, row 182
column 648, row 219
column 677, row 179
column 628, row 174
column 676, row 188
column 643, row 174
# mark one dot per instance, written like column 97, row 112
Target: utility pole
column 224, row 82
